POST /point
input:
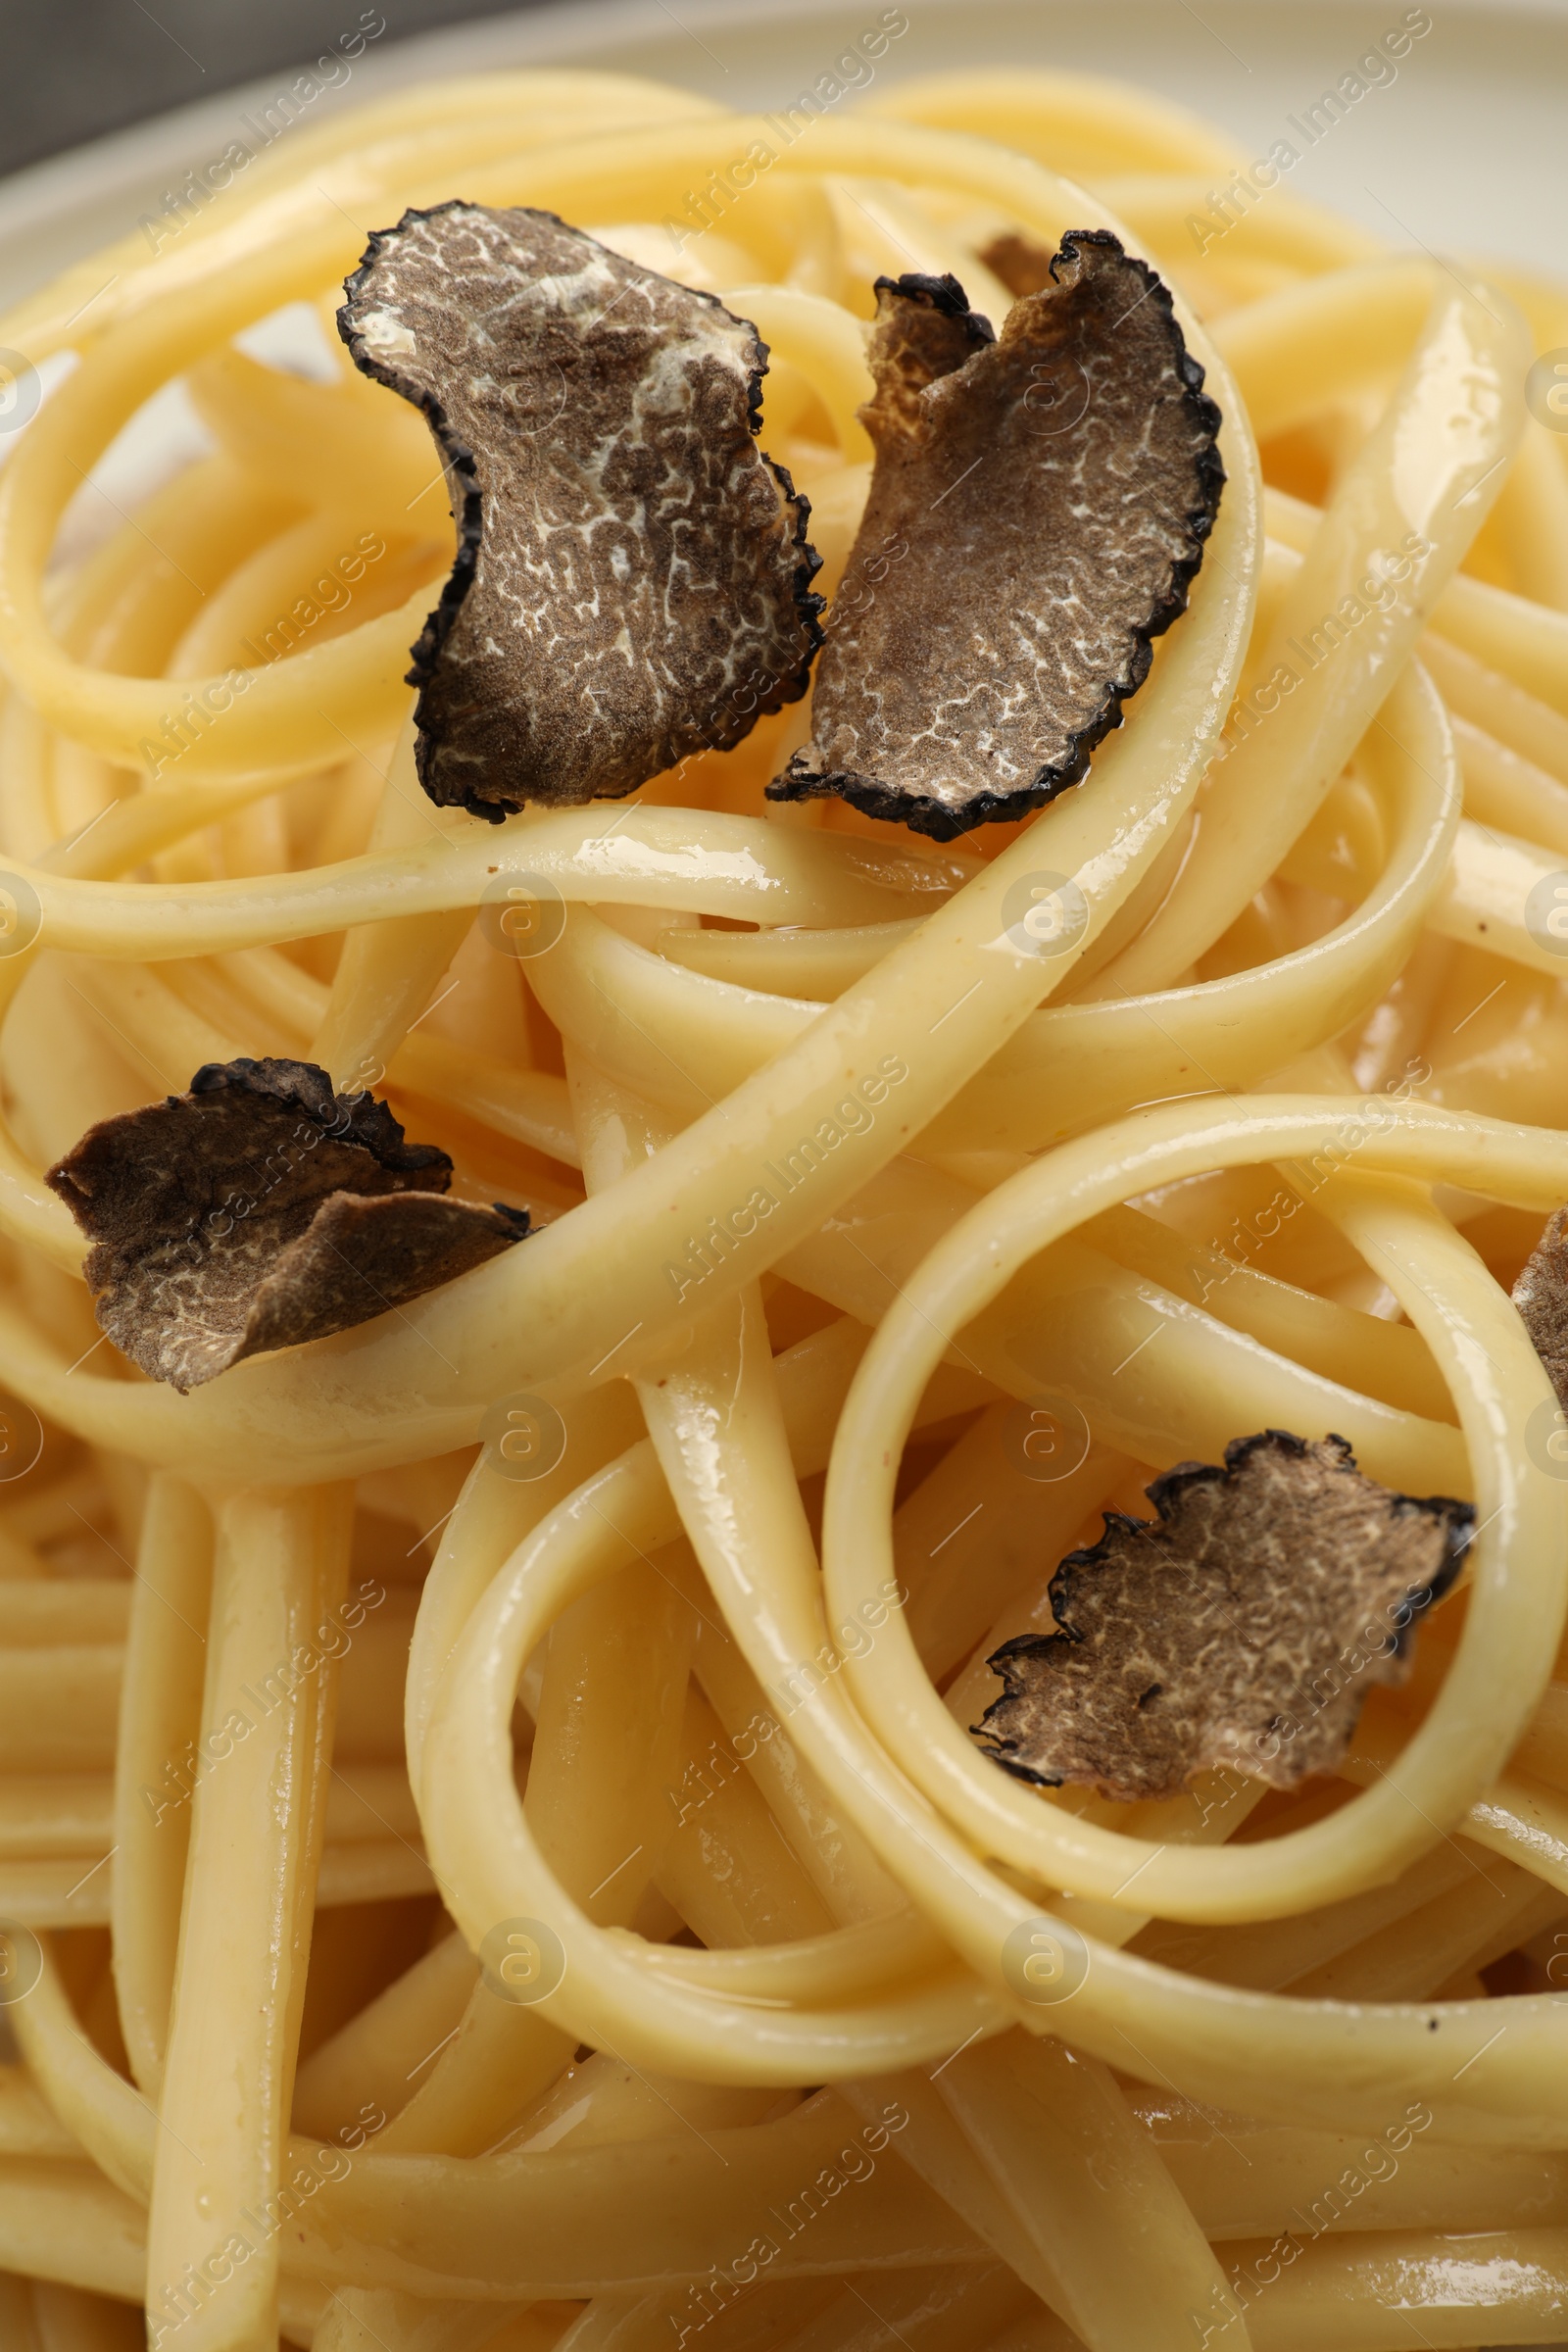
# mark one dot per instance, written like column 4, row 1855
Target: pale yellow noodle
column 1266, row 1146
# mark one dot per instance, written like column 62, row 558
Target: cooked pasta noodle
column 492, row 1852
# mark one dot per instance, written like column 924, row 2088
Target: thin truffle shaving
column 1243, row 1626
column 1055, row 489
column 259, row 1210
column 1541, row 1294
column 632, row 581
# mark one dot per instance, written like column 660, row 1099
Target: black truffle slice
column 1243, row 1626
column 633, row 578
column 259, row 1210
column 1050, row 494
column 1541, row 1294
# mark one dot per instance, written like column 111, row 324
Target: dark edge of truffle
column 471, row 523
column 1541, row 1294
column 358, row 1118
column 425, row 651
column 943, row 294
column 929, row 817
column 520, row 1218
column 808, row 602
column 1457, row 1518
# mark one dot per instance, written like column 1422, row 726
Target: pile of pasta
column 492, row 1851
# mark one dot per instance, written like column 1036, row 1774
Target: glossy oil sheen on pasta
column 491, row 1853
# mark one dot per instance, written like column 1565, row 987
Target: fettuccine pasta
column 493, row 1851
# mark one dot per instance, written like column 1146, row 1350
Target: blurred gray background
column 1466, row 153
column 71, row 69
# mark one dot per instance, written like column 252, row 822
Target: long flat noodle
column 1513, row 2283
column 375, row 2060
column 1456, row 1934
column 66, row 2220
column 852, row 1884
column 1244, row 2178
column 679, row 2214
column 378, row 2319
column 1039, row 507
column 72, row 2319
column 861, row 1875
column 280, row 1562
column 159, row 1712
column 933, row 2145
column 633, row 579
column 594, row 2103
column 1032, row 2111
